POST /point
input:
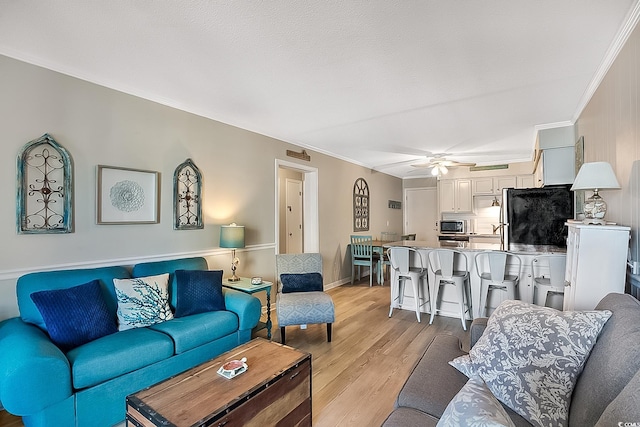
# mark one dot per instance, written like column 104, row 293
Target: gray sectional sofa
column 607, row 392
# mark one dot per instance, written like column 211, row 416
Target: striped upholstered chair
column 302, row 300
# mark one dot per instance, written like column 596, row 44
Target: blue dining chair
column 363, row 255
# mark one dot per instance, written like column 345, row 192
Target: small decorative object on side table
column 246, row 285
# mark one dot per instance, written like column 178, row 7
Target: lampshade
column 595, row 175
column 232, row 236
column 439, row 170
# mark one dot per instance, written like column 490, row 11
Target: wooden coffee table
column 275, row 390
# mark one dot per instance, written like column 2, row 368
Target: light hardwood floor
column 357, row 376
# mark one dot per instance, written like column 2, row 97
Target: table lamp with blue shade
column 232, row 237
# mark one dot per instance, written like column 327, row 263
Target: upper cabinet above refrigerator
column 555, row 163
column 556, row 167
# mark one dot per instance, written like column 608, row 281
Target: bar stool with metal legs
column 554, row 283
column 400, row 261
column 447, row 274
column 496, row 278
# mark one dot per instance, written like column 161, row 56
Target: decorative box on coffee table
column 274, row 390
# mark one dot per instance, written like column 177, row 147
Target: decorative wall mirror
column 360, row 205
column 187, row 197
column 45, row 179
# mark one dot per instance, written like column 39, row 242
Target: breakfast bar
column 449, row 302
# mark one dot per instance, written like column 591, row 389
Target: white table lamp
column 595, row 176
column 232, row 237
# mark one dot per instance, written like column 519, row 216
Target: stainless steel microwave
column 453, row 227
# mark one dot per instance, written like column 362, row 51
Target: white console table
column 596, row 264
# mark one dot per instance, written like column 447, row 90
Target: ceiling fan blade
column 422, row 165
column 394, row 164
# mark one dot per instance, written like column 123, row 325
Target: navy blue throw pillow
column 198, row 291
column 305, row 282
column 76, row 315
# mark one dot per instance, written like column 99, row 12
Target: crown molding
column 612, row 53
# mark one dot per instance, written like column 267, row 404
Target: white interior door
column 421, row 213
column 294, row 216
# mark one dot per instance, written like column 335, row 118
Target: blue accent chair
column 302, row 308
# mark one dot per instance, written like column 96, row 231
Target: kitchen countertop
column 473, row 246
column 469, row 235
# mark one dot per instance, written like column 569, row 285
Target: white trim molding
column 618, row 43
column 14, row 274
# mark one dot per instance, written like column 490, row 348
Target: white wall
column 98, row 125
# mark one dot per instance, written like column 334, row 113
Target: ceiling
column 376, row 82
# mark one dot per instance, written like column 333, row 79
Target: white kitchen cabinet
column 455, row 195
column 482, row 186
column 525, row 181
column 596, row 264
column 556, row 166
column 493, row 185
column 502, row 182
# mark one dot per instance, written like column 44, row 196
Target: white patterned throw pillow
column 142, row 301
column 530, row 358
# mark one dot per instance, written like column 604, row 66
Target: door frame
column 300, row 185
column 311, row 228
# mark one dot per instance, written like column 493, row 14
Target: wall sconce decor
column 187, row 197
column 303, row 155
column 360, row 205
column 45, row 180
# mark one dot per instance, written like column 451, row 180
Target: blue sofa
column 87, row 386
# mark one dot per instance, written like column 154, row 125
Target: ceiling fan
column 440, row 165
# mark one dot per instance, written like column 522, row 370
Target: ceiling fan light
column 435, row 171
column 444, row 169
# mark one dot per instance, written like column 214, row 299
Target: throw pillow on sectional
column 530, row 357
column 143, row 301
column 75, row 315
column 475, row 405
column 198, row 291
column 304, row 282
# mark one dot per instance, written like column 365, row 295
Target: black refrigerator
column 534, row 218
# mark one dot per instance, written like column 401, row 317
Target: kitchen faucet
column 497, row 227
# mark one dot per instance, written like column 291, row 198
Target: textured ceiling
column 376, row 82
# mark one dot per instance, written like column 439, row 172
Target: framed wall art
column 128, row 196
column 187, row 197
column 44, row 183
column 360, row 205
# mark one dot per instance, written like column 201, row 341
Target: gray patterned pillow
column 530, row 357
column 474, row 405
